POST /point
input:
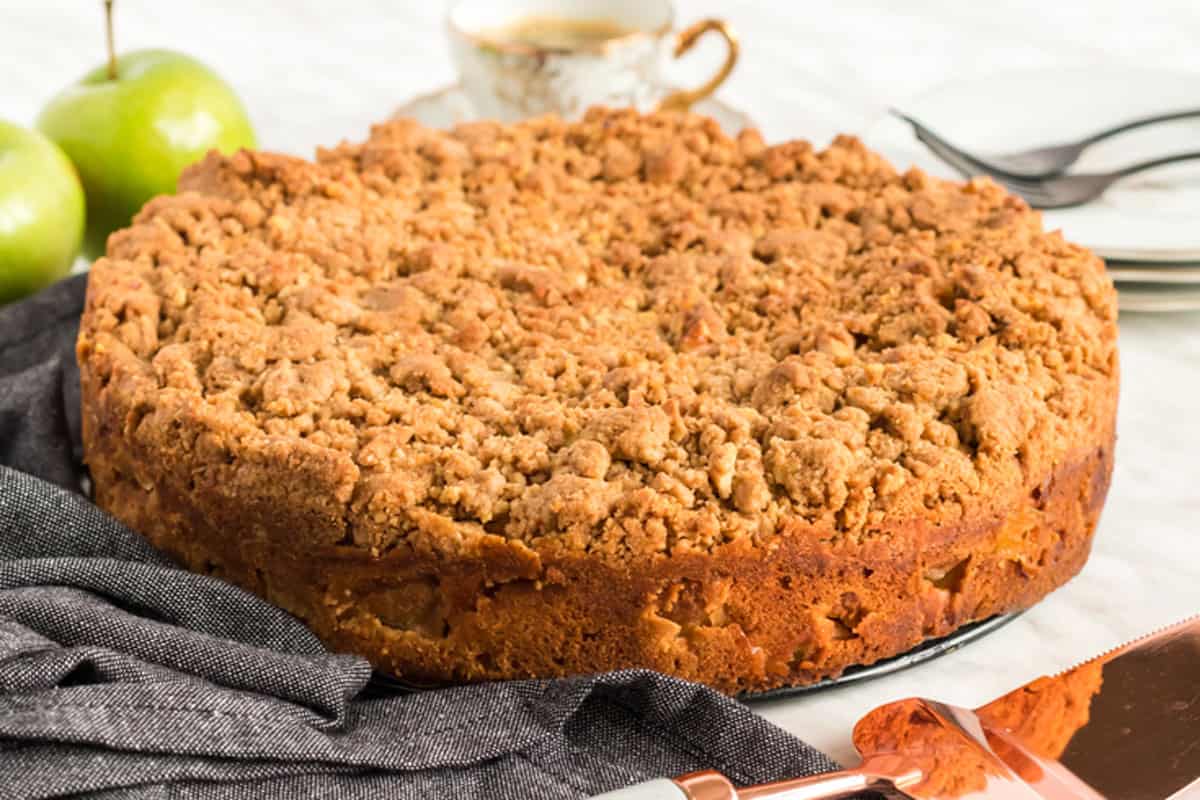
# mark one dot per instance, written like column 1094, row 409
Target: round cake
column 553, row 398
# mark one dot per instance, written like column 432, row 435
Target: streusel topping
column 625, row 335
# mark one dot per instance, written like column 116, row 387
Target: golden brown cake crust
column 546, row 398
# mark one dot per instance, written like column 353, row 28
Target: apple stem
column 112, row 51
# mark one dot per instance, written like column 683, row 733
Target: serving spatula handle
column 880, row 774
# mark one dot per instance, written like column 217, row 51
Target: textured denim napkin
column 124, row 676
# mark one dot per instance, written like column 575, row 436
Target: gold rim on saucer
column 455, row 109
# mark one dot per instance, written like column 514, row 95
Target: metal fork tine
column 933, row 140
column 1026, row 190
column 1032, row 191
column 1021, row 187
column 951, row 157
column 963, row 161
column 1035, row 197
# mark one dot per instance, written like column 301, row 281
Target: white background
column 317, row 72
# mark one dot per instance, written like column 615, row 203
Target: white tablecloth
column 315, row 72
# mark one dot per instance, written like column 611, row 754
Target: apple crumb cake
column 554, row 397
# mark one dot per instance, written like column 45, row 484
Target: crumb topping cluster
column 625, row 335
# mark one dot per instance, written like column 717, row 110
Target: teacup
column 522, row 58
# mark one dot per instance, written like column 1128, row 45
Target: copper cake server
column 1122, row 726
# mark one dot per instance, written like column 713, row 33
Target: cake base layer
column 741, row 618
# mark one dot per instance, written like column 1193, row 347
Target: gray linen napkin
column 124, row 676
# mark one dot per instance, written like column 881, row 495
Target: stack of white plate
column 1147, row 228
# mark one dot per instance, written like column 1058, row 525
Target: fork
column 1039, row 162
column 1055, row 192
column 1073, row 190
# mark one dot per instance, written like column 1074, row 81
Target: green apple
column 130, row 136
column 41, row 212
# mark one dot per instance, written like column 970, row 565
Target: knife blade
column 1128, row 720
column 1124, row 725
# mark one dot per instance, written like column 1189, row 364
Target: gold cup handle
column 683, row 99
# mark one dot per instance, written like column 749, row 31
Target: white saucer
column 1157, row 298
column 1143, row 272
column 1154, row 216
column 449, row 106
